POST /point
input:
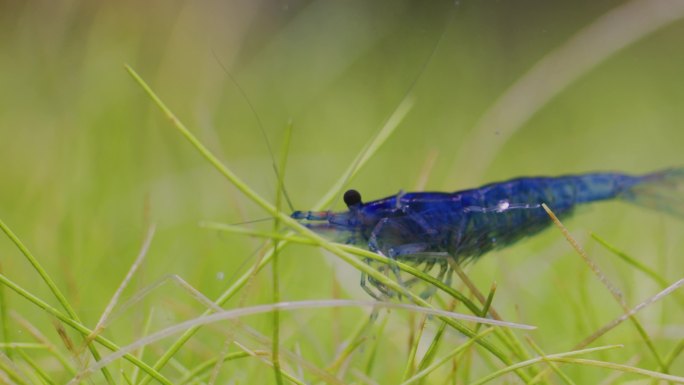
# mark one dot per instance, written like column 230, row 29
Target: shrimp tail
column 662, row 191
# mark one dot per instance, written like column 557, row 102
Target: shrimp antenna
column 407, row 94
column 252, row 221
column 259, row 123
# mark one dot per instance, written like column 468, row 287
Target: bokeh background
column 88, row 161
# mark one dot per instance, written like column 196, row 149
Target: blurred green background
column 87, row 159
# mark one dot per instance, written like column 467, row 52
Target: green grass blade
column 366, row 153
column 430, row 368
column 199, row 370
column 53, row 288
column 414, row 339
column 623, row 368
column 552, row 365
column 4, row 322
column 537, row 360
column 12, row 371
column 274, row 268
column 84, row 331
column 639, row 266
column 631, row 260
column 36, row 334
column 37, row 368
column 141, row 352
column 355, row 341
column 675, row 352
column 356, row 251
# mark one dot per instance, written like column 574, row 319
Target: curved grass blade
column 550, row 357
column 259, row 309
column 559, row 68
column 620, row 367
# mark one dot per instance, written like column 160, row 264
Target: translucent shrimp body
column 428, row 227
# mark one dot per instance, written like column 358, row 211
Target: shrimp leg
column 389, row 232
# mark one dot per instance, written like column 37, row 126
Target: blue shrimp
column 431, row 227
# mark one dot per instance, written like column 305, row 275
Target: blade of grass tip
column 488, row 303
column 564, row 377
column 485, row 310
column 414, row 340
column 367, row 152
column 274, row 264
column 375, row 344
column 461, row 348
column 614, row 291
column 537, row 360
column 53, row 288
column 638, row 265
column 4, row 322
column 630, row 260
column 208, row 155
column 99, row 327
column 321, row 242
column 355, row 340
column 392, row 122
column 80, row 328
column 431, row 352
column 624, row 368
column 345, row 355
column 469, row 357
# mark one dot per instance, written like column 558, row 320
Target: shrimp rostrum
column 428, row 228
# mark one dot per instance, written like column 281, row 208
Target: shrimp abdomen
column 500, row 214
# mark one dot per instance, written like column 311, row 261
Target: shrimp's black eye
column 352, row 197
